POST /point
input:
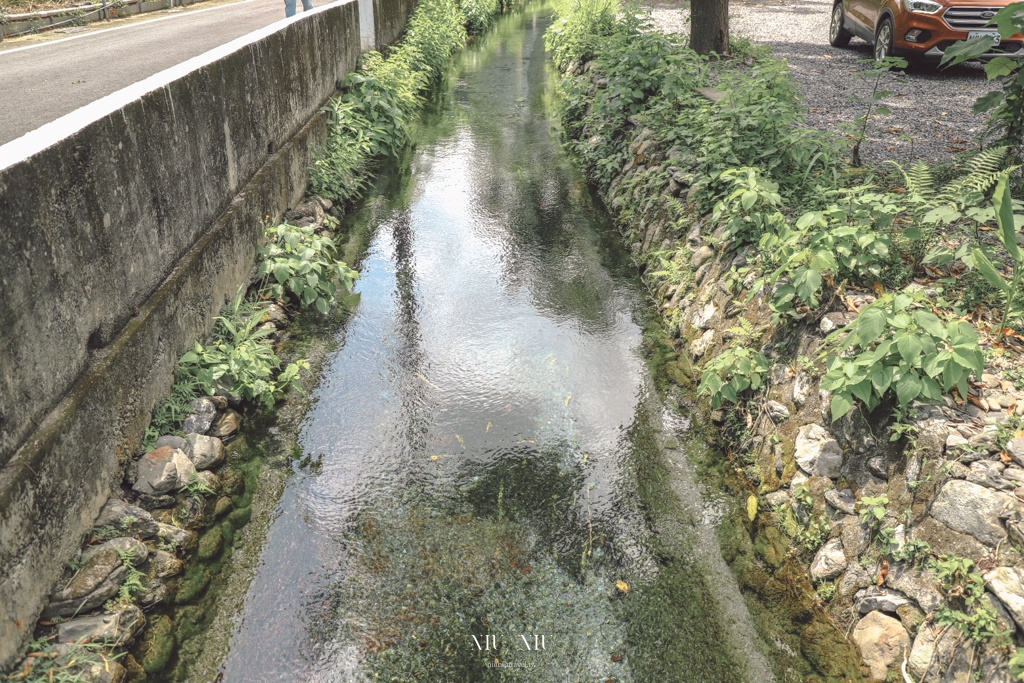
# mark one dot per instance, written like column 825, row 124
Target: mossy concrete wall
column 126, row 226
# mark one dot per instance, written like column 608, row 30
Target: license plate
column 993, row 35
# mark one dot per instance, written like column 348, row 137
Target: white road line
column 118, row 28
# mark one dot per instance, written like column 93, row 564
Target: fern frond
column 920, row 180
column 980, row 175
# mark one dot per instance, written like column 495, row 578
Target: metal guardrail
column 12, row 25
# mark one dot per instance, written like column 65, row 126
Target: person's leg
column 289, row 8
column 307, row 5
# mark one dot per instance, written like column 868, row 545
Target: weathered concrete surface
column 125, row 230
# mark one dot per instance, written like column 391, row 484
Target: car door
column 858, row 11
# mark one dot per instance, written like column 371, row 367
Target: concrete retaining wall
column 126, row 225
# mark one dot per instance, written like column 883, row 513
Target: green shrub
column 301, row 263
column 579, row 28
column 898, row 344
column 241, row 358
column 732, row 372
column 751, row 207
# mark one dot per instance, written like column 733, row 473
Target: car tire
column 838, row 36
column 884, row 36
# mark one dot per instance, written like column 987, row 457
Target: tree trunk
column 709, row 26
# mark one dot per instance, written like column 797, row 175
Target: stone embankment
column 158, row 539
column 892, row 517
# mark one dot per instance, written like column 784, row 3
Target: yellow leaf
column 622, row 586
column 752, row 507
column 567, row 398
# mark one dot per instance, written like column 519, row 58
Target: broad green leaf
column 862, row 390
column 908, row 388
column 965, row 50
column 841, row 404
column 870, row 324
column 1004, row 217
column 748, row 199
column 321, row 305
column 930, row 323
column 1009, row 20
column 909, row 346
column 281, row 273
column 881, row 378
column 988, row 271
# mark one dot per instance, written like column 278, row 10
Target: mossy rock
column 830, row 653
column 232, row 482
column 133, row 669
column 240, row 518
column 222, row 507
column 228, row 532
column 771, row 546
column 675, row 372
column 192, row 585
column 190, row 621
column 158, row 645
column 210, row 544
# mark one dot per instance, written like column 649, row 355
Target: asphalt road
column 42, row 81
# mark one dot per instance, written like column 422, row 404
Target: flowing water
column 487, row 500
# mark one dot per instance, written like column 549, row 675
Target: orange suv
column 920, row 29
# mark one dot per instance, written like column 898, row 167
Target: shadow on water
column 490, row 502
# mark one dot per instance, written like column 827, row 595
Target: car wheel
column 883, row 39
column 838, row 36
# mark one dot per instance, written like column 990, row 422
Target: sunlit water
column 477, row 427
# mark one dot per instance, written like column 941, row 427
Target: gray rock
column 172, row 441
column 856, row 537
column 174, row 536
column 702, row 318
column 211, row 480
column 98, row 578
column 882, row 641
column 693, row 238
column 127, row 519
column 1005, row 584
column 165, row 564
column 954, row 441
column 972, row 509
column 913, row 471
column 843, row 500
column 1015, row 449
column 776, row 411
column 147, row 502
column 113, row 629
column 854, row 579
column 802, row 387
column 162, row 470
column 701, row 256
column 227, row 425
column 817, row 453
column 985, row 439
column 203, row 413
column 156, row 592
column 876, row 466
column 829, row 562
column 835, row 320
column 774, row 498
column 990, row 474
column 699, row 346
column 881, row 599
column 1014, row 474
column 204, row 451
column 919, row 585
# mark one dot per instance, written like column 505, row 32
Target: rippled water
column 480, row 430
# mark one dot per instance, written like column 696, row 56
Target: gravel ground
column 933, row 108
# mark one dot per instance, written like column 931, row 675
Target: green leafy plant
column 579, row 27
column 302, row 263
column 871, row 102
column 896, row 343
column 751, row 207
column 872, row 510
column 1017, row 664
column 132, row 583
column 1008, row 235
column 913, row 551
column 170, row 413
column 196, row 488
column 732, row 372
column 1005, row 123
column 240, row 357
